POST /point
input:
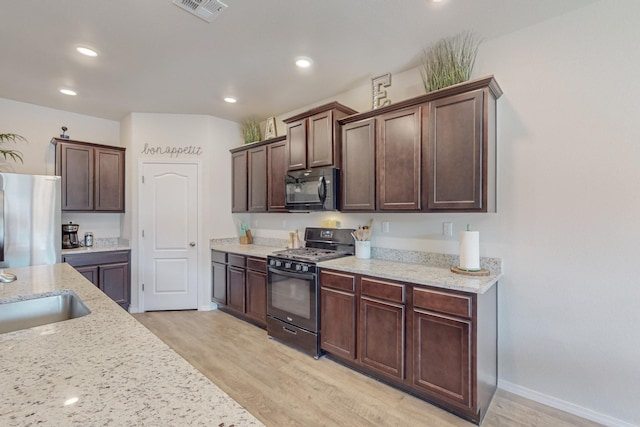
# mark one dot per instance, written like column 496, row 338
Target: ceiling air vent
column 205, row 9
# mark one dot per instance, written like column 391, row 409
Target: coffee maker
column 70, row 236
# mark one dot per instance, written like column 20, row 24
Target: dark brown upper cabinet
column 433, row 153
column 460, row 167
column 239, row 181
column 398, row 149
column 257, row 179
column 276, row 171
column 313, row 137
column 359, row 166
column 92, row 176
column 257, row 172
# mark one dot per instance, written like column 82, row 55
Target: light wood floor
column 283, row 387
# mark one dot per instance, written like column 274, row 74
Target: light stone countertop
column 261, row 251
column 413, row 272
column 120, row 372
column 108, row 247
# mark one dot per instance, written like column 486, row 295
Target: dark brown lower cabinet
column 442, row 357
column 382, row 325
column 338, row 314
column 236, row 277
column 437, row 344
column 219, row 277
column 382, row 337
column 244, row 293
column 109, row 271
column 256, row 298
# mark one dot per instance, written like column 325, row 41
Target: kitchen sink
column 40, row 309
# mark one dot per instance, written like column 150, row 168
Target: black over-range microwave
column 312, row 190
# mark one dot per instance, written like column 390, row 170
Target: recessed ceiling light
column 68, row 92
column 86, row 51
column 230, row 100
column 304, row 62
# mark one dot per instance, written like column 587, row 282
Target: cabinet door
column 455, row 155
column 114, row 281
column 442, row 357
column 90, row 272
column 76, row 168
column 239, row 182
column 219, row 286
column 235, row 289
column 257, row 296
column 109, row 180
column 320, row 140
column 382, row 336
column 338, row 323
column 257, row 179
column 276, row 171
column 398, row 152
column 297, row 145
column 359, row 166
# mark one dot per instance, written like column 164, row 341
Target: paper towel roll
column 470, row 250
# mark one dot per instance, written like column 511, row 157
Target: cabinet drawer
column 383, row 290
column 343, row 282
column 258, row 264
column 236, row 260
column 217, row 256
column 96, row 258
column 457, row 305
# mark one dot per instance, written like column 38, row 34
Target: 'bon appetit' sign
column 189, row 150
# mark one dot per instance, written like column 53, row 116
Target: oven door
column 292, row 298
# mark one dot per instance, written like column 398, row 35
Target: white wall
column 215, row 137
column 38, row 125
column 568, row 207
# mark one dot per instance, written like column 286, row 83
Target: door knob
column 192, row 244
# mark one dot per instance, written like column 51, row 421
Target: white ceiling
column 157, row 58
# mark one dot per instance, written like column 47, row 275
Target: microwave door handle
column 322, row 189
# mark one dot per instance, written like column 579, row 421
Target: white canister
column 363, row 249
column 88, row 239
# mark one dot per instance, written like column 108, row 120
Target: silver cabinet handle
column 192, row 244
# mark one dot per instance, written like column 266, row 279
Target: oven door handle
column 303, row 276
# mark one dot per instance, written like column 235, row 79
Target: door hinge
column 142, row 233
column 142, row 179
column 143, row 287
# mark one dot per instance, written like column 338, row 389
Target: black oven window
column 291, row 295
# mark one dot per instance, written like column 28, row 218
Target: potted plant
column 251, row 130
column 449, row 61
column 15, row 155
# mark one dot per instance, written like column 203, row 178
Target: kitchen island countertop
column 101, row 369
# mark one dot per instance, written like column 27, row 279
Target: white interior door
column 169, row 235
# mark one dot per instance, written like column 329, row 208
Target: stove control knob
column 305, row 268
column 272, row 262
column 299, row 267
column 278, row 263
column 287, row 265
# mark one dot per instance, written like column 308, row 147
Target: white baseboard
column 563, row 405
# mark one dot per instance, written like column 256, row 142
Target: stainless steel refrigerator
column 30, row 226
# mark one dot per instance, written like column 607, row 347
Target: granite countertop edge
column 96, row 248
column 421, row 274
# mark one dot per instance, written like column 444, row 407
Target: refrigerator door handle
column 1, row 224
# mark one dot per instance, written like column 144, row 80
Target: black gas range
column 292, row 286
